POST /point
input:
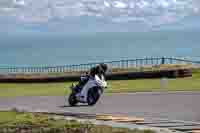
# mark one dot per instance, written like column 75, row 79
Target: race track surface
column 173, row 106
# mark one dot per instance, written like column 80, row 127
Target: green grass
column 7, row 116
column 33, row 89
column 40, row 123
column 118, row 86
column 149, row 85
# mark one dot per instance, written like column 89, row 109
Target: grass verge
column 39, row 123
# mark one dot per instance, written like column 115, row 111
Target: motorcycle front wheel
column 93, row 96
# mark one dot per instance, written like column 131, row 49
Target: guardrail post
column 141, row 61
column 38, row 69
column 171, row 60
column 136, row 62
column 146, row 61
column 163, row 60
column 163, row 84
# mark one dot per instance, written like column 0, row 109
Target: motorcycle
column 95, row 87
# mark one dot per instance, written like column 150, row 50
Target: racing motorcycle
column 95, row 87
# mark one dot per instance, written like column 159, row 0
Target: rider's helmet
column 104, row 67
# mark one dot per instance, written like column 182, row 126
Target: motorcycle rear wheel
column 72, row 100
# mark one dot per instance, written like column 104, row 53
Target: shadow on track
column 68, row 106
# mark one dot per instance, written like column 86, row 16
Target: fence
column 122, row 64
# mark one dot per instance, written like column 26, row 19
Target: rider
column 83, row 80
column 99, row 71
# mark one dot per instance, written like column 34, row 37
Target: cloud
column 149, row 12
column 5, row 3
column 19, row 3
column 12, row 3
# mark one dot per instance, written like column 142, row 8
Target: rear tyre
column 72, row 100
column 93, row 96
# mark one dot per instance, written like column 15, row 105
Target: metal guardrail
column 121, row 64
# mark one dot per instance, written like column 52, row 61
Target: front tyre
column 93, row 96
column 72, row 100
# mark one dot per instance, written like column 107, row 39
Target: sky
column 69, row 15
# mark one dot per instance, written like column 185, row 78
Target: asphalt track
column 184, row 106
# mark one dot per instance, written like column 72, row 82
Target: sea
column 64, row 49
